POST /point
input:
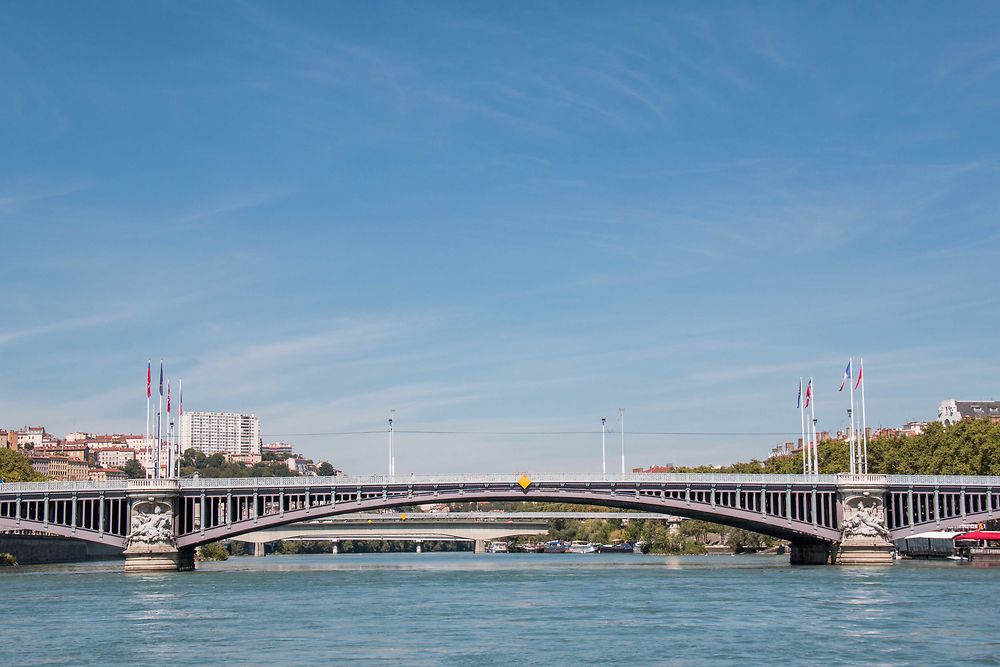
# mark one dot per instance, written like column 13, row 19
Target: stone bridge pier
column 151, row 545
column 865, row 537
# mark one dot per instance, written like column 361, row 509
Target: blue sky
column 490, row 219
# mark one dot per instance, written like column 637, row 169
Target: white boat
column 497, row 548
column 581, row 547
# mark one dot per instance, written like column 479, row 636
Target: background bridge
column 477, row 527
column 163, row 520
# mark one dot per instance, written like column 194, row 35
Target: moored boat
column 497, row 548
column 581, row 547
column 554, row 547
column 617, row 547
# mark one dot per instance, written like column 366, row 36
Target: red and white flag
column 809, row 392
column 861, row 372
column 149, row 378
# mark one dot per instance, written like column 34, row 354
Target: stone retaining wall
column 39, row 549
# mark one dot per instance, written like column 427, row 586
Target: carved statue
column 866, row 521
column 151, row 528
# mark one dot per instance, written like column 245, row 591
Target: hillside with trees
column 970, row 447
column 215, row 465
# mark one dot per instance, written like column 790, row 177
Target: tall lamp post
column 392, row 450
column 604, row 448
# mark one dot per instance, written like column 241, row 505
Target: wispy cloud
column 225, row 207
column 14, row 202
column 85, row 322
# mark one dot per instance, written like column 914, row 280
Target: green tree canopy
column 16, row 467
column 970, row 447
column 134, row 470
column 215, row 465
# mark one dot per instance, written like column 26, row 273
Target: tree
column 325, row 469
column 193, row 461
column 134, row 470
column 214, row 551
column 16, row 467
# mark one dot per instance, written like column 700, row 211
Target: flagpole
column 621, row 414
column 864, row 418
column 159, row 415
column 180, row 413
column 149, row 380
column 802, row 415
column 814, row 455
column 851, row 438
column 170, row 436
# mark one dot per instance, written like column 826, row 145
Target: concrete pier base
column 420, row 548
column 857, row 552
column 335, row 548
column 178, row 560
column 259, row 549
column 480, row 546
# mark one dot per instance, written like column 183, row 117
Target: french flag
column 847, row 375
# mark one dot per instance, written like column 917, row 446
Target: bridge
column 840, row 519
column 477, row 527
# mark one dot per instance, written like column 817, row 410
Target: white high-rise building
column 220, row 433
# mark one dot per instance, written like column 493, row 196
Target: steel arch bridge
column 806, row 510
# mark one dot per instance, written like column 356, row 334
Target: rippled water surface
column 427, row 609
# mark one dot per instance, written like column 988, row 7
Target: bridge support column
column 335, row 548
column 151, row 545
column 480, row 546
column 864, row 535
column 810, row 553
column 259, row 549
column 420, row 547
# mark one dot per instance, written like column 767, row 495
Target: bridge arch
column 796, row 531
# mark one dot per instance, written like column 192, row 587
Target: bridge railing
column 80, row 485
column 864, row 478
column 944, row 480
column 497, row 478
column 500, row 478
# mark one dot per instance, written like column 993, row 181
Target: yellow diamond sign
column 524, row 482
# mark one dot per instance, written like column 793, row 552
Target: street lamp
column 604, row 456
column 392, row 450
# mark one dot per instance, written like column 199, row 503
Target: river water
column 467, row 609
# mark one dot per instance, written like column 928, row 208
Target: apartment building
column 221, row 433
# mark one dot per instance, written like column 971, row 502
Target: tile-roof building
column 952, row 411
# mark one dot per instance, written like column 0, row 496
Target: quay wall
column 41, row 549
